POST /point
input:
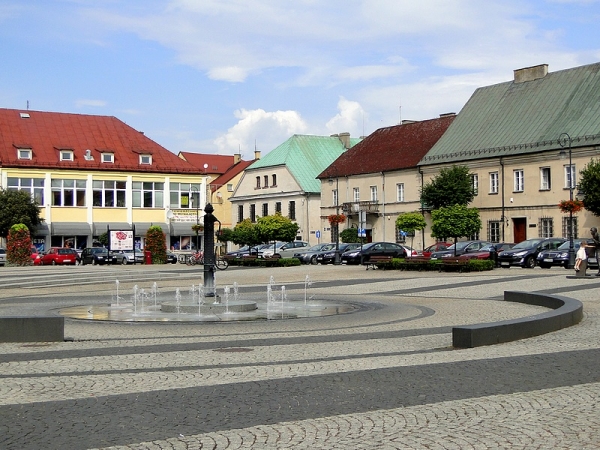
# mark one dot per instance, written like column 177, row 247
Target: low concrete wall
column 565, row 313
column 32, row 329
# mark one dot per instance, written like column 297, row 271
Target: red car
column 58, row 255
column 437, row 247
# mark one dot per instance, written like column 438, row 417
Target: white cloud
column 349, row 119
column 265, row 129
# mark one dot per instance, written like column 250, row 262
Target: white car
column 2, row 257
column 283, row 249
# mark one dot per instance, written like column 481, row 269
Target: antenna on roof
column 27, row 105
column 400, row 115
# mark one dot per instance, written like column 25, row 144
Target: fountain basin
column 233, row 306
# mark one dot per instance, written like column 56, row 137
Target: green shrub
column 480, row 264
column 18, row 249
column 156, row 244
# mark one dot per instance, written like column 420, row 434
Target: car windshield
column 458, row 245
column 315, row 248
column 527, row 244
column 566, row 245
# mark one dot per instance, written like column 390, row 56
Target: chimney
column 450, row 114
column 256, row 154
column 345, row 139
column 531, row 73
column 237, row 157
column 407, row 122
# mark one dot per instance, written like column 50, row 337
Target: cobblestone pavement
column 382, row 378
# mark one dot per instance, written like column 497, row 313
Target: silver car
column 2, row 257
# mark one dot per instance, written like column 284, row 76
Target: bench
column 459, row 264
column 375, row 262
column 416, row 262
column 270, row 260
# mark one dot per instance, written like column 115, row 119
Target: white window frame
column 546, row 227
column 108, row 157
column 155, row 191
column 24, row 153
column 545, row 179
column 400, row 192
column 373, row 193
column 356, row 194
column 494, row 182
column 570, row 176
column 519, row 180
column 35, row 187
column 68, row 192
column 335, row 197
column 145, row 159
column 66, row 155
column 475, row 182
column 109, row 193
column 184, row 195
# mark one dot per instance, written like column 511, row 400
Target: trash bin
column 147, row 257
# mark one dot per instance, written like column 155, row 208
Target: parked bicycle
column 195, row 258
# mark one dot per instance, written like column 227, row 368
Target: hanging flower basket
column 570, row 206
column 198, row 228
column 335, row 219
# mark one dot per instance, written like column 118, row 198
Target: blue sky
column 223, row 76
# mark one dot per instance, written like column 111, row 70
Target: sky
column 232, row 76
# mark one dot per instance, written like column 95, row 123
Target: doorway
column 519, row 229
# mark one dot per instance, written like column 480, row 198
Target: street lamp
column 337, row 225
column 565, row 141
column 197, row 202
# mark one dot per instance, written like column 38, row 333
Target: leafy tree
column 452, row 186
column 276, row 228
column 226, row 235
column 245, row 233
column 349, row 235
column 17, row 207
column 410, row 222
column 18, row 251
column 103, row 239
column 589, row 185
column 156, row 244
column 455, row 221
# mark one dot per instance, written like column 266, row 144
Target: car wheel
column 53, row 262
column 530, row 262
column 313, row 260
column 124, row 261
column 94, row 262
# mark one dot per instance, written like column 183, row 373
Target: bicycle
column 221, row 263
column 195, row 258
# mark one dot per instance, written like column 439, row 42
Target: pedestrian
column 581, row 256
column 596, row 240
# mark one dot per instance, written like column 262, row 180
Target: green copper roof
column 305, row 157
column 518, row 118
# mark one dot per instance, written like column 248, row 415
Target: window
column 518, row 178
column 274, row 178
column 24, row 153
column 570, row 176
column 400, row 192
column 68, row 192
column 278, row 207
column 494, row 230
column 493, row 182
column 335, row 197
column 257, row 182
column 148, row 194
column 35, row 187
column 566, row 229
column 145, row 159
column 66, row 155
column 184, row 195
column 253, row 212
column 292, row 210
column 545, row 178
column 108, row 194
column 266, row 181
column 475, row 183
column 546, row 227
column 108, row 157
column 265, row 209
column 240, row 213
column 229, row 187
column 356, row 194
column 373, row 193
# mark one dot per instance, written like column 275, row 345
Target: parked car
column 98, row 255
column 309, row 256
column 437, row 247
column 328, row 256
column 524, row 253
column 131, row 257
column 362, row 255
column 489, row 251
column 171, row 258
column 2, row 256
column 410, row 252
column 58, row 255
column 459, row 248
column 283, row 249
column 560, row 256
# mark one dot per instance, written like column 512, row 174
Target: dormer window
column 145, row 159
column 66, row 155
column 110, row 158
column 24, row 153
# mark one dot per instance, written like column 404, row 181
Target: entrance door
column 519, row 229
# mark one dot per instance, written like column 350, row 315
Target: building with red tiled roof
column 378, row 176
column 91, row 174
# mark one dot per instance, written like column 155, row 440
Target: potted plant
column 335, row 219
column 198, row 227
column 570, row 206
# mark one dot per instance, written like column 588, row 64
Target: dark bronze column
column 209, row 252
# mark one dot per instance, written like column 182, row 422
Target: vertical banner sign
column 121, row 240
column 362, row 225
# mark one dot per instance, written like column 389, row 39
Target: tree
column 349, row 235
column 18, row 251
column 226, row 235
column 452, row 186
column 410, row 222
column 156, row 244
column 455, row 221
column 245, row 233
column 17, row 207
column 589, row 185
column 276, row 228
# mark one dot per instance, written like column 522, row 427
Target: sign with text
column 121, row 240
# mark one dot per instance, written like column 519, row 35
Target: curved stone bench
column 565, row 313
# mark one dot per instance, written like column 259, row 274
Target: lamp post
column 565, row 141
column 197, row 201
column 337, row 225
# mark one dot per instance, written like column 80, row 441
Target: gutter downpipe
column 383, row 202
column 502, row 217
column 422, row 211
